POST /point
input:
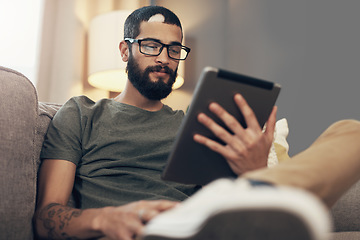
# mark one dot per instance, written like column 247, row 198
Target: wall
column 310, row 47
column 63, row 57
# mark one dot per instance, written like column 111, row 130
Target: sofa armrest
column 346, row 211
column 19, row 110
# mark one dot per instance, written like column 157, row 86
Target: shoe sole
column 248, row 224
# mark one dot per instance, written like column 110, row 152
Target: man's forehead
column 160, row 30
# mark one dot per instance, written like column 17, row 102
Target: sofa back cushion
column 46, row 113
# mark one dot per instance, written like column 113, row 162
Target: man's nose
column 163, row 57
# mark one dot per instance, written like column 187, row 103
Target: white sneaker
column 236, row 209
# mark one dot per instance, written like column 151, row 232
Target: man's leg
column 327, row 168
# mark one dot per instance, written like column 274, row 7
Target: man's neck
column 131, row 96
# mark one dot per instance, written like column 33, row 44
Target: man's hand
column 245, row 149
column 127, row 222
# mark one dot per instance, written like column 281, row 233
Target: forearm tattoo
column 55, row 218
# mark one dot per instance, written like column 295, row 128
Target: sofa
column 23, row 125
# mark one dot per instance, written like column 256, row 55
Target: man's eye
column 151, row 46
column 175, row 50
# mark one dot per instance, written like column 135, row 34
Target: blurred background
column 310, row 47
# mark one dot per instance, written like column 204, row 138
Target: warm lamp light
column 106, row 70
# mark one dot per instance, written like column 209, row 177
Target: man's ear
column 124, row 50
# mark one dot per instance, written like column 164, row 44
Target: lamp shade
column 106, row 70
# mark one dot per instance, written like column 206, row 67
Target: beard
column 141, row 80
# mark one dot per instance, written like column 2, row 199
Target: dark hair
column 133, row 21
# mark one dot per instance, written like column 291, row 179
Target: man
column 112, row 151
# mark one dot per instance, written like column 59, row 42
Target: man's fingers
column 149, row 209
column 270, row 124
column 230, row 121
column 162, row 205
column 213, row 145
column 218, row 131
column 247, row 112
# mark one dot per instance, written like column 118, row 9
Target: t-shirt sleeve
column 63, row 138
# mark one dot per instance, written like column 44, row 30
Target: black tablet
column 193, row 163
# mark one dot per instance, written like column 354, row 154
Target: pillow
column 280, row 147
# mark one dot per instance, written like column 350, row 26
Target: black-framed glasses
column 154, row 47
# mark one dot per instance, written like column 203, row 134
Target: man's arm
column 54, row 220
column 245, row 149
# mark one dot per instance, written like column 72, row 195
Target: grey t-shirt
column 119, row 150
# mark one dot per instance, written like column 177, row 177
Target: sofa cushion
column 46, row 113
column 18, row 107
column 345, row 236
column 346, row 212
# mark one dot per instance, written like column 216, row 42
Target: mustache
column 158, row 68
